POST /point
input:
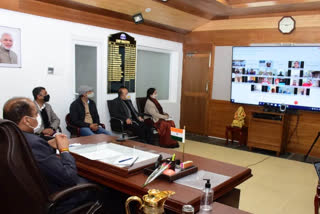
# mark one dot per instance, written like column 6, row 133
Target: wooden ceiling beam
column 302, row 21
column 205, row 9
column 110, row 13
column 68, row 14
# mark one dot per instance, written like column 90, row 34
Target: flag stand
column 183, row 143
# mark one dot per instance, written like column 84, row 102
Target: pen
column 134, row 161
column 124, row 160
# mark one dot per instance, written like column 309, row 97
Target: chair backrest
column 68, row 119
column 141, row 102
column 23, row 188
column 110, row 107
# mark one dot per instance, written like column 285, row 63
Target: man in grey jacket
column 50, row 121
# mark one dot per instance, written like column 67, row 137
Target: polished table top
column 133, row 185
column 218, row 208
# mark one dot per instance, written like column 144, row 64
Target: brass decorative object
column 152, row 203
column 239, row 117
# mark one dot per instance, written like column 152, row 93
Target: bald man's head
column 17, row 108
column 6, row 41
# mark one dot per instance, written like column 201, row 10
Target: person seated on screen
column 49, row 120
column 124, row 110
column 84, row 113
column 6, row 54
column 59, row 172
column 160, row 119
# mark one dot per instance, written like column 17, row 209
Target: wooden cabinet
column 267, row 131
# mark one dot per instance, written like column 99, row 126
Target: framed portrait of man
column 10, row 47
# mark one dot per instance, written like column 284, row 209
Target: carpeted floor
column 278, row 185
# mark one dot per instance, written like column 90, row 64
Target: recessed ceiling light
column 164, row 0
column 148, row 10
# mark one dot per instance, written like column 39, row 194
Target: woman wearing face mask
column 160, row 119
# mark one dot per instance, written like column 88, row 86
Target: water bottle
column 206, row 198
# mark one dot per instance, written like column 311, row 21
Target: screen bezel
column 305, row 108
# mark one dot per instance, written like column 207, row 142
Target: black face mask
column 46, row 98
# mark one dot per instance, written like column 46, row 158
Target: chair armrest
column 135, row 122
column 114, row 118
column 58, row 196
column 59, row 129
column 75, row 128
column 148, row 115
column 102, row 125
column 117, row 124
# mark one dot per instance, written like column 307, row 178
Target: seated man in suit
column 84, row 113
column 60, row 173
column 123, row 109
column 49, row 120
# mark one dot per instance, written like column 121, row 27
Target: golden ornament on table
column 239, row 117
column 152, row 203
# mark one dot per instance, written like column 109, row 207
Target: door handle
column 207, row 86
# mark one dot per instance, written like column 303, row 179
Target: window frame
column 174, row 65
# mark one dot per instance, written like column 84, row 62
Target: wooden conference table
column 133, row 185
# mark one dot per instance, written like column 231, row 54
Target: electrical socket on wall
column 51, row 70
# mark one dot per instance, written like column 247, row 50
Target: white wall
column 221, row 89
column 49, row 43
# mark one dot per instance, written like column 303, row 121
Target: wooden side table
column 236, row 131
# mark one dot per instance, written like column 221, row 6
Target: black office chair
column 141, row 102
column 23, row 188
column 117, row 124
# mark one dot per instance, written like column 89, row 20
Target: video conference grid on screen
column 277, row 75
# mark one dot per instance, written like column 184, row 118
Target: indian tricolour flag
column 178, row 134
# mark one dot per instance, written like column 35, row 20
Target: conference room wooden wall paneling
column 195, row 87
column 63, row 13
column 220, row 114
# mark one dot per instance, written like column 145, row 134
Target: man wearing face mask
column 84, row 113
column 60, row 172
column 123, row 109
column 49, row 120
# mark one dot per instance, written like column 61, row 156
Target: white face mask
column 154, row 96
column 90, row 95
column 39, row 121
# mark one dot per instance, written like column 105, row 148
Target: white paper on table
column 111, row 153
column 75, row 144
column 130, row 160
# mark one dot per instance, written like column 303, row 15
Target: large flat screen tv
column 277, row 75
